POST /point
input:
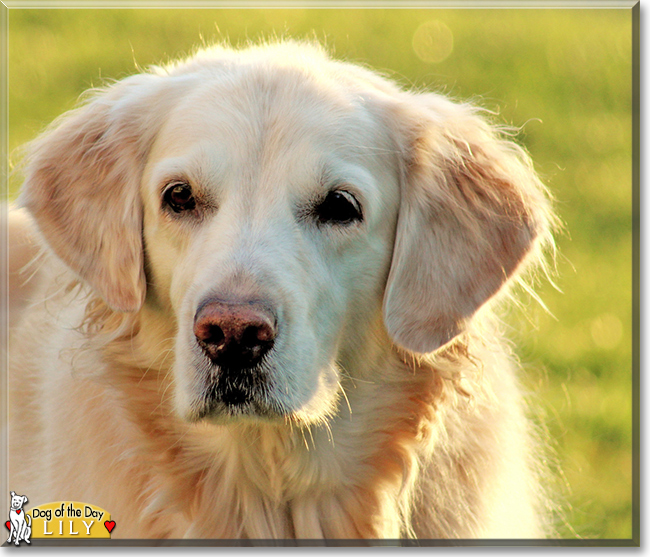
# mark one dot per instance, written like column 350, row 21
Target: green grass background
column 564, row 75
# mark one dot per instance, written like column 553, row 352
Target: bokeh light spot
column 607, row 331
column 433, row 42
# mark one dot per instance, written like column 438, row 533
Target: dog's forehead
column 272, row 117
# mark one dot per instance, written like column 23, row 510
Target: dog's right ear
column 12, row 493
column 83, row 179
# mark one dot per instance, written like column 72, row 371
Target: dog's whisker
column 304, row 439
column 330, row 436
column 345, row 396
column 164, row 354
column 355, row 380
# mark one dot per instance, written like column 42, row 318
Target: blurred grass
column 565, row 75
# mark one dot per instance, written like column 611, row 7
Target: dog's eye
column 339, row 207
column 178, row 196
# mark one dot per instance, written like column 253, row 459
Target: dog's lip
column 256, row 407
column 253, row 405
column 221, row 415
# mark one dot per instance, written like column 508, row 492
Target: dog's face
column 270, row 207
column 283, row 210
column 17, row 501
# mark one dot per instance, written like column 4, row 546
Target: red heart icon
column 18, row 511
column 8, row 525
column 110, row 524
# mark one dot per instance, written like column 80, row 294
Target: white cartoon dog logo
column 21, row 524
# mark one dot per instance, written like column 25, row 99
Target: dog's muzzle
column 235, row 336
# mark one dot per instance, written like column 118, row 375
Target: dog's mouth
column 237, row 387
column 234, row 392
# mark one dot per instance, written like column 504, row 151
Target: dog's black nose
column 235, row 335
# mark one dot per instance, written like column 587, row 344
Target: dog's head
column 283, row 209
column 17, row 501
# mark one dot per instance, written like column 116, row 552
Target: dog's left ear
column 25, row 500
column 472, row 210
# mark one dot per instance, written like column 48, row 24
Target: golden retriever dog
column 265, row 307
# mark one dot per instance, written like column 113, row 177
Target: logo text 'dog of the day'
column 70, row 519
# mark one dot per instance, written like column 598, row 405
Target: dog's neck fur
column 350, row 478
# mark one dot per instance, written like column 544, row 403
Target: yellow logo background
column 69, row 519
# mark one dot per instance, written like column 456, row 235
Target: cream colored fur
column 393, row 406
